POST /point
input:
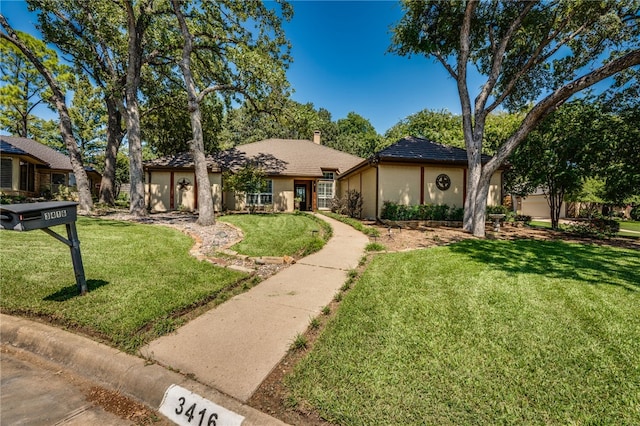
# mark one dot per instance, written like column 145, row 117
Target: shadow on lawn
column 589, row 263
column 71, row 291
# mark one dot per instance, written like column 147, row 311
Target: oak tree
column 527, row 52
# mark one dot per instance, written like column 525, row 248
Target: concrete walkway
column 233, row 347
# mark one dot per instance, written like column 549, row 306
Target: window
column 325, row 193
column 27, row 176
column 261, row 198
column 6, row 173
column 328, row 175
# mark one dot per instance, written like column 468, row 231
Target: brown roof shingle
column 48, row 155
column 286, row 157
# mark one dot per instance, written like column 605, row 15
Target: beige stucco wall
column 365, row 183
column 454, row 196
column 398, row 184
column 283, row 195
column 495, row 189
column 215, row 180
column 158, row 191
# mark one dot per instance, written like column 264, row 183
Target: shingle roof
column 411, row 148
column 287, row 157
column 47, row 155
column 180, row 161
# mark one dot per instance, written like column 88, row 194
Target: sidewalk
column 236, row 345
column 228, row 350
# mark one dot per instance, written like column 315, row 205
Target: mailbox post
column 30, row 216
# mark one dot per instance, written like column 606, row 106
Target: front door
column 300, row 190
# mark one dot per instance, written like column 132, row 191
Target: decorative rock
column 241, row 269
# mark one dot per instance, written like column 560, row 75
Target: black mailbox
column 30, row 216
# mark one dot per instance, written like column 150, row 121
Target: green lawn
column 483, row 332
column 138, row 275
column 630, row 225
column 279, row 234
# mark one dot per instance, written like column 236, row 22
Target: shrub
column 497, row 210
column 350, row 204
column 598, row 228
column 394, row 211
column 522, row 218
column 635, row 213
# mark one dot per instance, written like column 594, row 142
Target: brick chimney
column 316, row 137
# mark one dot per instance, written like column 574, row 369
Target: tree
column 24, row 88
column 356, row 135
column 92, row 34
column 529, row 52
column 66, row 128
column 88, row 116
column 558, row 156
column 439, row 126
column 248, row 179
column 240, row 50
column 284, row 118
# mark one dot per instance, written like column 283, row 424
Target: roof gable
column 48, row 155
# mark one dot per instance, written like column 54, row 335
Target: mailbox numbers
column 55, row 214
column 191, row 412
column 186, row 408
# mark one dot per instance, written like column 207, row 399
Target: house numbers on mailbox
column 443, row 182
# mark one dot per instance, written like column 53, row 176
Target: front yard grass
column 482, row 332
column 138, row 277
column 279, row 234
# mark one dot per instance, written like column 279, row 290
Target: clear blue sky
column 340, row 61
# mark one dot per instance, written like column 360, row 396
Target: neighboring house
column 296, row 170
column 29, row 168
column 537, row 206
column 415, row 171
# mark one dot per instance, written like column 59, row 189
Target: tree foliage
column 24, row 88
column 527, row 52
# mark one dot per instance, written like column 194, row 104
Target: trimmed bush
column 399, row 212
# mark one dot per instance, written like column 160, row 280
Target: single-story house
column 296, row 170
column 415, row 171
column 412, row 171
column 31, row 169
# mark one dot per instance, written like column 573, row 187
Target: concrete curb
column 125, row 373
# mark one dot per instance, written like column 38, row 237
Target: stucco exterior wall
column 454, row 196
column 399, row 184
column 495, row 189
column 158, row 191
column 215, row 180
column 365, row 183
column 283, row 197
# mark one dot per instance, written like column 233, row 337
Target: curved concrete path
column 236, row 345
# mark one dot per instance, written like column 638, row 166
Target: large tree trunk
column 114, row 139
column 135, row 29
column 66, row 130
column 206, row 215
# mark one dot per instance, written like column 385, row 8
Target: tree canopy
column 531, row 54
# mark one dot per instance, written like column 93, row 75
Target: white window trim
column 259, row 196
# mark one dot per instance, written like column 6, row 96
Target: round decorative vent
column 443, row 182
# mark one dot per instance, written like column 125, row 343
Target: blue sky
column 340, row 61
